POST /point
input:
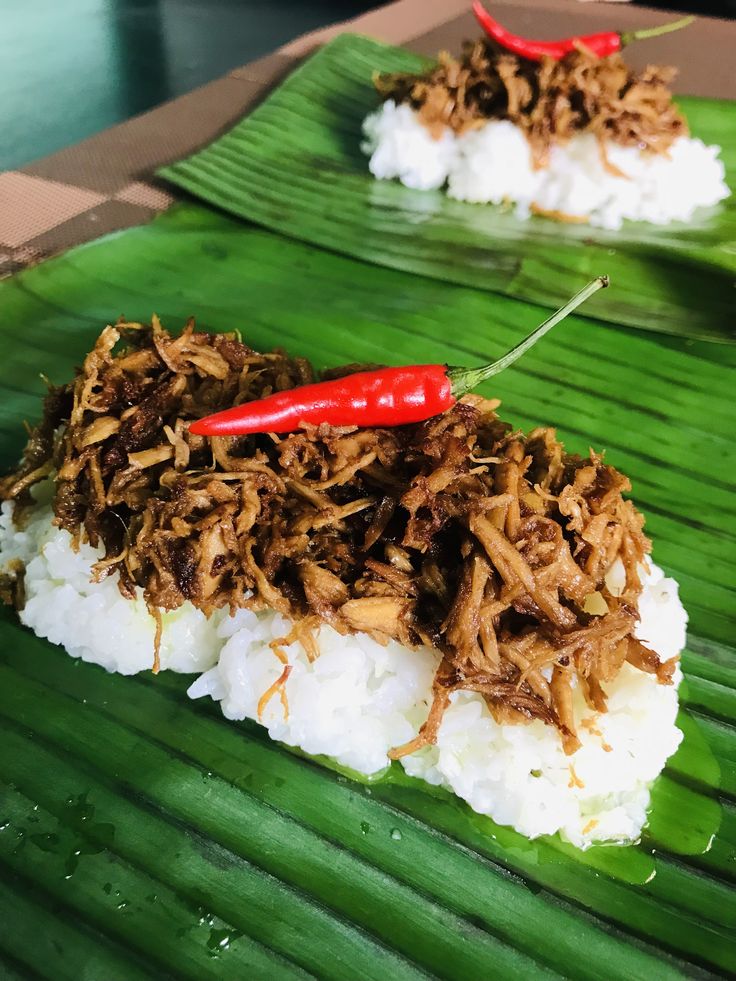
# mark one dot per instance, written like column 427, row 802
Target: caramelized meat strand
column 456, row 532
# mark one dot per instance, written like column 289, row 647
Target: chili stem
column 464, row 380
column 675, row 25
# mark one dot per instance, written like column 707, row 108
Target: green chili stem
column 464, row 380
column 674, row 25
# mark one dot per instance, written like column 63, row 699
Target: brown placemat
column 102, row 184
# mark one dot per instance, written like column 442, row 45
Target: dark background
column 70, row 68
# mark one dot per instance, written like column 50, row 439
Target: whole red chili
column 602, row 44
column 387, row 397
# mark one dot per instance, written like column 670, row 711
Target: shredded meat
column 456, row 533
column 551, row 101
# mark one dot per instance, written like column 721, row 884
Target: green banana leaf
column 144, row 836
column 295, row 166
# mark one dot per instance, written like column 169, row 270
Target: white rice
column 358, row 698
column 90, row 620
column 493, row 164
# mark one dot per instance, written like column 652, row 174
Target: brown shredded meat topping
column 458, row 533
column 551, row 101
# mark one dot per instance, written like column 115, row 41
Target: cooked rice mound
column 359, row 698
column 580, row 139
column 367, row 594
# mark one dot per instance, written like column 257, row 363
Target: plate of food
column 150, row 830
column 361, row 623
column 564, row 130
column 490, row 169
column 400, row 576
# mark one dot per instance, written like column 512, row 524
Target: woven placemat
column 103, row 184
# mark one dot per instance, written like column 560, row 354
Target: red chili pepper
column 387, row 397
column 603, row 44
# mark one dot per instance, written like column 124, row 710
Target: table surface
column 73, row 68
column 70, row 68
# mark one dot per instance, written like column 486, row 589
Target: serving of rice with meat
column 469, row 600
column 582, row 139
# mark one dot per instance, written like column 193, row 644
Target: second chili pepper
column 387, row 397
column 602, row 44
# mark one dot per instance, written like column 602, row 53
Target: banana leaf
column 144, row 836
column 294, row 165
